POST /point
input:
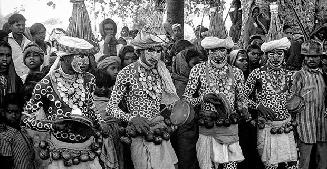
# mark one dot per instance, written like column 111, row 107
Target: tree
column 175, row 12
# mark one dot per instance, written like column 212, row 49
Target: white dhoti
column 276, row 148
column 218, row 147
column 147, row 155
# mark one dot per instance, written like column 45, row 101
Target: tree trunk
column 217, row 26
column 175, row 12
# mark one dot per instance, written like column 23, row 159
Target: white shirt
column 17, row 54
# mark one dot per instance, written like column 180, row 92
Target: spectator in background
column 109, row 43
column 6, row 27
column 9, row 80
column 177, row 32
column 236, row 18
column 16, row 150
column 257, row 23
column 125, row 35
column 3, row 36
column 255, row 57
column 113, row 156
column 239, row 59
column 33, row 59
column 312, row 122
column 18, row 42
column 38, row 32
column 127, row 55
column 293, row 57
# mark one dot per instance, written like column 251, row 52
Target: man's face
column 288, row 33
column 5, row 57
column 312, row 61
column 276, row 58
column 129, row 58
column 218, row 55
column 109, row 29
column 254, row 56
column 151, row 56
column 18, row 27
column 177, row 33
column 113, row 70
column 80, row 63
column 241, row 61
column 40, row 35
column 33, row 60
column 13, row 115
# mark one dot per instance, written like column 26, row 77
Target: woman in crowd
column 109, row 44
column 127, row 55
column 10, row 82
column 239, row 59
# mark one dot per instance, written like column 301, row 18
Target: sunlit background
column 37, row 11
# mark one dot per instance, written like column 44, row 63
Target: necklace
column 220, row 81
column 150, row 81
column 276, row 80
column 70, row 88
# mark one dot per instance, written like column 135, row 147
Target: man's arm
column 116, row 97
column 34, row 108
column 241, row 100
column 249, row 88
column 192, row 86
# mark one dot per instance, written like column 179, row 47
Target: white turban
column 283, row 43
column 214, row 42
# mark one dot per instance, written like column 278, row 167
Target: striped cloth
column 15, row 143
column 309, row 84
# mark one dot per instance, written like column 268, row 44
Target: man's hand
column 108, row 39
column 265, row 112
column 141, row 124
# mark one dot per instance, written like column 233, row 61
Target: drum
column 295, row 104
column 182, row 113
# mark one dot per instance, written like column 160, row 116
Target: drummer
column 145, row 85
column 65, row 96
column 214, row 79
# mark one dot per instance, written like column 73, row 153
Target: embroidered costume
column 276, row 142
column 144, row 89
column 67, row 99
column 218, row 145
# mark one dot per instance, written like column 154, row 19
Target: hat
column 144, row 41
column 214, row 42
column 283, row 43
column 73, row 45
column 311, row 47
column 32, row 47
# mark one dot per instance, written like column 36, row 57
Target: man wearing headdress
column 62, row 104
column 310, row 86
column 271, row 84
column 145, row 85
column 215, row 79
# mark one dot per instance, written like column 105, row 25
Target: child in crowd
column 33, row 59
